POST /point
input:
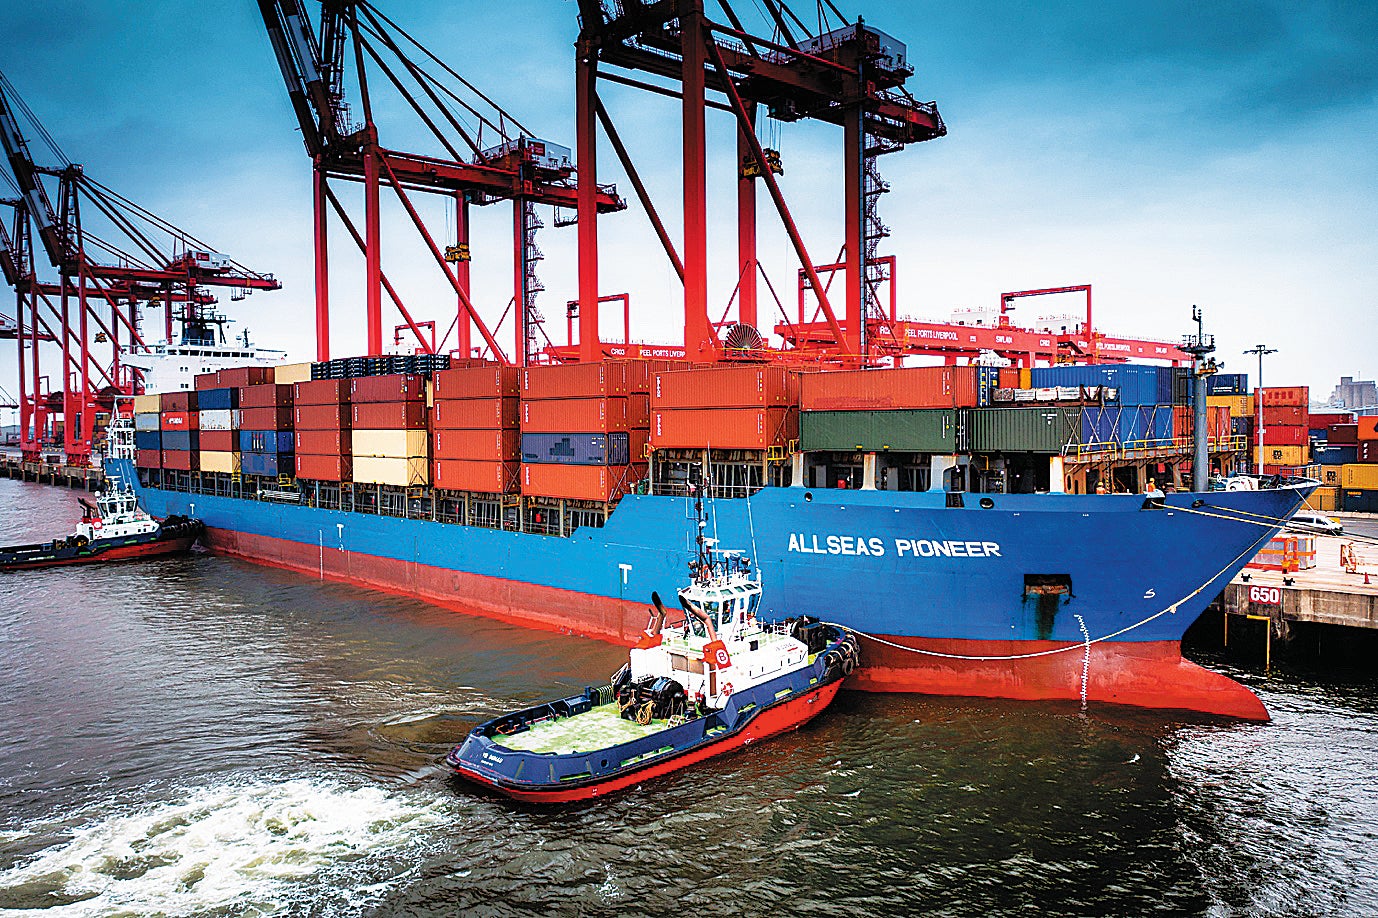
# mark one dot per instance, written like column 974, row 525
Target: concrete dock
column 51, row 473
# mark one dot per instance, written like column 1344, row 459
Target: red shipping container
column 323, row 442
column 726, row 387
column 265, row 418
column 218, row 441
column 639, row 444
column 1342, row 434
column 1368, row 428
column 322, row 417
column 1282, row 396
column 235, row 377
column 585, row 415
column 1008, row 378
column 148, row 459
column 723, row 428
column 1320, row 420
column 487, row 445
column 321, row 392
column 906, row 387
column 207, row 381
column 473, row 475
column 325, row 468
column 478, row 382
column 1217, row 421
column 1367, row 451
column 475, row 414
column 399, row 387
column 269, row 395
column 578, row 380
column 408, row 415
column 1285, row 436
column 1284, row 416
column 178, row 420
column 580, row 482
column 183, row 461
column 177, row 401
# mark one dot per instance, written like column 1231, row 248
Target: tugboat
column 717, row 681
column 113, row 529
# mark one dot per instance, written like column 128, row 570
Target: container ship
column 985, row 532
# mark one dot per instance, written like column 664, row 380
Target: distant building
column 1355, row 393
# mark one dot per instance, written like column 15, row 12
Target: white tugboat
column 719, row 680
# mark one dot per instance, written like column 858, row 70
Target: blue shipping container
column 179, row 441
column 576, row 448
column 217, row 399
column 148, row 439
column 1228, row 384
column 265, row 441
column 1100, row 426
column 1335, row 455
column 267, row 464
column 1137, row 384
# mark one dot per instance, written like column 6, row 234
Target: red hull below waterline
column 772, row 721
column 121, row 553
column 1150, row 674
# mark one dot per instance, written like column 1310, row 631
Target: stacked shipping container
column 389, row 441
column 1283, row 414
column 475, row 438
column 724, row 408
column 584, row 429
column 914, row 409
column 322, row 423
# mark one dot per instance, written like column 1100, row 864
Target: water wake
column 243, row 847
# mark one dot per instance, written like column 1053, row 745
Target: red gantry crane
column 93, row 305
column 484, row 156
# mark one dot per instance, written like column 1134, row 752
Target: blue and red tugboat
column 112, row 529
column 717, row 681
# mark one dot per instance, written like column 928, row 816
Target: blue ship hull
column 1011, row 595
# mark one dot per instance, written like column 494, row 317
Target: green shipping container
column 918, row 430
column 1024, row 430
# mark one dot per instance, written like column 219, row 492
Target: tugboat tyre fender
column 848, row 664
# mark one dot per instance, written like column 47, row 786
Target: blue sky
column 1221, row 154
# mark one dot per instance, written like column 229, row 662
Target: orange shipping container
column 585, row 415
column 321, row 392
column 478, row 382
column 1368, row 428
column 320, row 442
column 322, row 417
column 1284, row 416
column 723, row 428
column 907, row 387
column 578, row 380
column 474, row 414
column 580, row 482
column 470, row 475
column 408, row 415
column 726, row 387
column 398, row 387
column 269, row 395
column 1283, row 396
column 487, row 445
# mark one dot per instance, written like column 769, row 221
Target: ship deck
column 597, row 728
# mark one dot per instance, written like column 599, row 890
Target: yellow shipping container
column 1325, row 500
column 216, row 461
column 391, row 444
column 1360, row 476
column 148, row 404
column 1241, row 406
column 1025, row 378
column 400, row 473
column 1284, row 455
column 292, row 373
column 1330, row 475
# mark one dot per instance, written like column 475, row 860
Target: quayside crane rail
column 93, row 287
column 483, row 156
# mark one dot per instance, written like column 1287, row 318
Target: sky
column 1220, row 154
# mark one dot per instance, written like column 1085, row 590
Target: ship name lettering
column 949, row 548
column 836, row 545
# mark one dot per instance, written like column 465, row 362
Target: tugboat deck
column 597, row 728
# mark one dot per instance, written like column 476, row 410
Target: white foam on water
column 244, row 847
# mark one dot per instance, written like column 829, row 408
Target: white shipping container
column 401, row 473
column 391, row 444
column 148, row 421
column 217, row 461
column 217, row 419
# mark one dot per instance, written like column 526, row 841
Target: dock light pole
column 1262, row 351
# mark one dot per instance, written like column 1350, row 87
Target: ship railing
column 684, row 489
column 1131, row 449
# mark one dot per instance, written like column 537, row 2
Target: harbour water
column 201, row 736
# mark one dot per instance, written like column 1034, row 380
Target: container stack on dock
column 390, row 444
column 1283, row 414
column 578, row 424
column 475, row 436
column 323, row 423
column 1359, row 480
